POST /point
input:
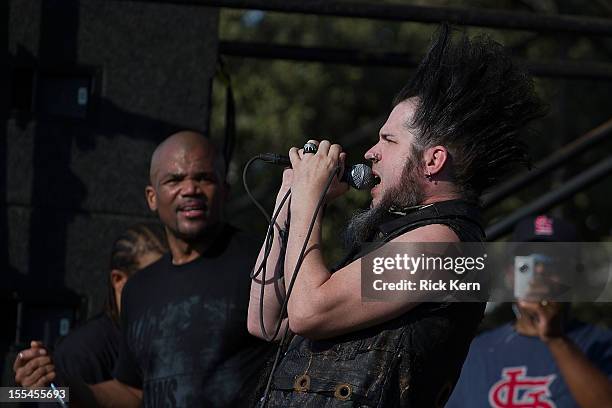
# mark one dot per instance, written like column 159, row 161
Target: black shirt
column 185, row 339
column 90, row 351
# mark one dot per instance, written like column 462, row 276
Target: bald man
column 183, row 319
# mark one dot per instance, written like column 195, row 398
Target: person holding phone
column 543, row 359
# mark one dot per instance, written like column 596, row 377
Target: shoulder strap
column 464, row 219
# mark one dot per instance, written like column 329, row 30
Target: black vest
column 413, row 360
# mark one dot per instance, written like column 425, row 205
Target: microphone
column 358, row 176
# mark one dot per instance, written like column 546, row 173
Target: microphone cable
column 269, row 240
column 262, row 267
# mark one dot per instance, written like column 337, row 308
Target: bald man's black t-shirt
column 185, row 341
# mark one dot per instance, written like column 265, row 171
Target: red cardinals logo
column 516, row 390
column 543, row 225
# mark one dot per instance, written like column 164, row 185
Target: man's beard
column 363, row 225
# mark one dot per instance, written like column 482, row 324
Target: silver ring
column 310, row 148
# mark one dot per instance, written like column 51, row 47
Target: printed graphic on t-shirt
column 517, row 390
column 170, row 352
column 161, row 393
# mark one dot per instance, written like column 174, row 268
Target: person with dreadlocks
column 138, row 247
column 452, row 133
column 89, row 352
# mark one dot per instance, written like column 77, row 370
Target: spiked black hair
column 472, row 99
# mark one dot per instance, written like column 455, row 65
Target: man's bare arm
column 274, row 293
column 589, row 386
column 324, row 305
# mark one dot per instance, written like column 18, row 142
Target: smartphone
column 523, row 275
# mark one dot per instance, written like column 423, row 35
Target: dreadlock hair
column 471, row 98
column 136, row 241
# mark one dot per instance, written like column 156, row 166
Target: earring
column 428, row 175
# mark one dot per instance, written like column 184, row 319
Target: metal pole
column 511, row 20
column 563, row 68
column 569, row 69
column 589, row 139
column 316, row 54
column 549, row 200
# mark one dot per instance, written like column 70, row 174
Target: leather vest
column 413, row 360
